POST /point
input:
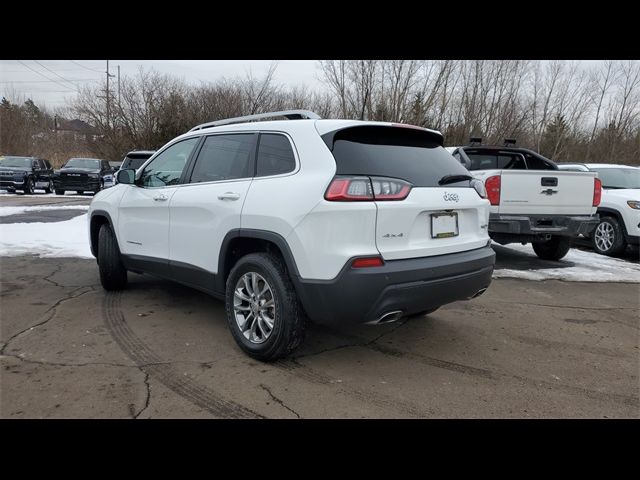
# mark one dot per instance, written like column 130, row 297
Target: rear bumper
column 412, row 285
column 633, row 239
column 569, row 226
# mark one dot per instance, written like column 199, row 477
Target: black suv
column 82, row 175
column 26, row 174
column 136, row 158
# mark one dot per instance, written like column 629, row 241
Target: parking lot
column 547, row 340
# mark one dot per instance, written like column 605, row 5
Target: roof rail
column 289, row 114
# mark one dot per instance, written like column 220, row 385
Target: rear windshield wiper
column 447, row 179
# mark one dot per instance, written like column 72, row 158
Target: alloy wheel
column 254, row 307
column 605, row 236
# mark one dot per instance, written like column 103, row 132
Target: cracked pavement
column 159, row 350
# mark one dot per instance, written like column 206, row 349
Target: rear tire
column 59, row 192
column 608, row 237
column 554, row 249
column 288, row 318
column 113, row 275
column 49, row 187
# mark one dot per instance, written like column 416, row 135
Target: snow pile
column 6, row 211
column 59, row 239
column 588, row 267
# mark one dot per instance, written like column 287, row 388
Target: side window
column 275, row 155
column 166, row 168
column 225, row 157
column 536, row 163
column 482, row 162
column 47, row 164
column 511, row 162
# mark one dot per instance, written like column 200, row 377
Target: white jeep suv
column 619, row 209
column 331, row 220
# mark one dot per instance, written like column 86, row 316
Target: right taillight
column 492, row 185
column 597, row 191
column 358, row 189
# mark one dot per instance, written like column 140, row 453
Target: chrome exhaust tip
column 478, row 293
column 387, row 317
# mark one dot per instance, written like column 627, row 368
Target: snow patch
column 59, row 239
column 588, row 267
column 6, row 211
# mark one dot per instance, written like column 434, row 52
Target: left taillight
column 597, row 191
column 358, row 189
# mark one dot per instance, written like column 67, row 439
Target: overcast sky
column 50, row 82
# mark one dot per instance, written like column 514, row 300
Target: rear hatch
column 434, row 218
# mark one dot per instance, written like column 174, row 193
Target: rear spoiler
column 409, row 132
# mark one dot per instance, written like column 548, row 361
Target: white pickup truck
column 531, row 200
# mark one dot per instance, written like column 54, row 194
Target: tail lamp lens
column 492, row 185
column 354, row 189
column 597, row 191
column 479, row 188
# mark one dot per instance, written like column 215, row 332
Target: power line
column 43, row 75
column 86, row 68
column 59, row 76
column 48, row 81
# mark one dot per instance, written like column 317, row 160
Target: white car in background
column 619, row 207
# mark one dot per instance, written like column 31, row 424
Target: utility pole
column 108, row 106
column 119, row 87
column 107, row 92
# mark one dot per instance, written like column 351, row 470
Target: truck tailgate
column 547, row 192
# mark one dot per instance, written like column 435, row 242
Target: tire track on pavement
column 150, row 363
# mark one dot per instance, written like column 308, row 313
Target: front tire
column 554, row 249
column 608, row 237
column 59, row 192
column 263, row 311
column 49, row 187
column 28, row 186
column 113, row 275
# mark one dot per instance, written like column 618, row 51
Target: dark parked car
column 136, row 158
column 83, row 175
column 26, row 174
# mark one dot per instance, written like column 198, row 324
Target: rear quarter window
column 414, row 155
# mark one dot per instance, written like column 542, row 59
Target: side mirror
column 126, row 176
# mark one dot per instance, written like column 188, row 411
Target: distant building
column 79, row 129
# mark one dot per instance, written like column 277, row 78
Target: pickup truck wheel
column 113, row 275
column 263, row 311
column 59, row 192
column 28, row 186
column 608, row 237
column 49, row 187
column 553, row 249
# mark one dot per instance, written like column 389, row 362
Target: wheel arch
column 240, row 242
column 610, row 212
column 98, row 218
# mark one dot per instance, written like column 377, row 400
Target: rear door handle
column 161, row 198
column 229, row 196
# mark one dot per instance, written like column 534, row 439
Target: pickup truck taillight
column 492, row 184
column 358, row 189
column 597, row 191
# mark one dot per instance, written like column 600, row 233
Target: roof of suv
column 140, row 152
column 322, row 126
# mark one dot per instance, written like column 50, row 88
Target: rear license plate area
column 444, row 225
